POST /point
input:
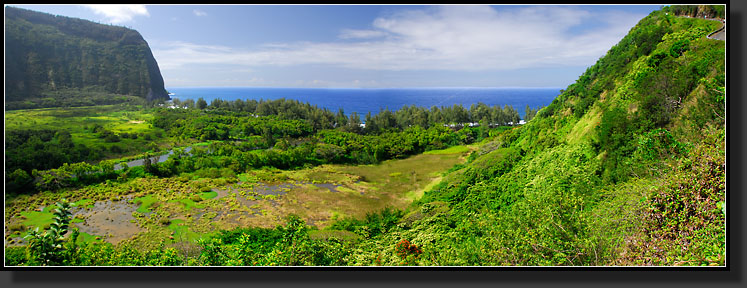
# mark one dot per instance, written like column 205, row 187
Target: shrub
column 408, row 252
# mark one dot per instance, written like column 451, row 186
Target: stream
column 158, row 159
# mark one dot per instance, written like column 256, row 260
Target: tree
column 354, row 125
column 268, row 137
column 189, row 103
column 216, row 103
column 435, row 115
column 107, row 167
column 47, row 248
column 513, row 115
column 370, row 124
column 201, row 103
column 341, row 119
column 664, row 92
column 18, row 180
column 420, row 118
column 529, row 113
column 460, row 115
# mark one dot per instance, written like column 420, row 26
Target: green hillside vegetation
column 625, row 167
column 56, row 61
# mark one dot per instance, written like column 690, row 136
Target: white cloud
column 118, row 14
column 199, row 13
column 360, row 34
column 462, row 38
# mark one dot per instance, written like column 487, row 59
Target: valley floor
column 144, row 211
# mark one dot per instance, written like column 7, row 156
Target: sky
column 370, row 46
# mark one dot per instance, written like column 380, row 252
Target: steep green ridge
column 625, row 167
column 61, row 61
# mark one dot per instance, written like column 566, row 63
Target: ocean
column 364, row 100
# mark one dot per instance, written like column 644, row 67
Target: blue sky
column 370, row 46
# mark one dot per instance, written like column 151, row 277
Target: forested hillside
column 54, row 61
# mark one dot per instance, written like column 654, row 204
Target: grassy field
column 450, row 150
column 79, row 121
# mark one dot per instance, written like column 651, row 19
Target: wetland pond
column 113, row 220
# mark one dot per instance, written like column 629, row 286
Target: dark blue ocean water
column 372, row 100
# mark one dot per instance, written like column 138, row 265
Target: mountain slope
column 625, row 167
column 57, row 57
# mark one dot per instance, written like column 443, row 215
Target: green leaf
column 721, row 205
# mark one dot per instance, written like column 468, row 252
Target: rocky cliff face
column 56, row 57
